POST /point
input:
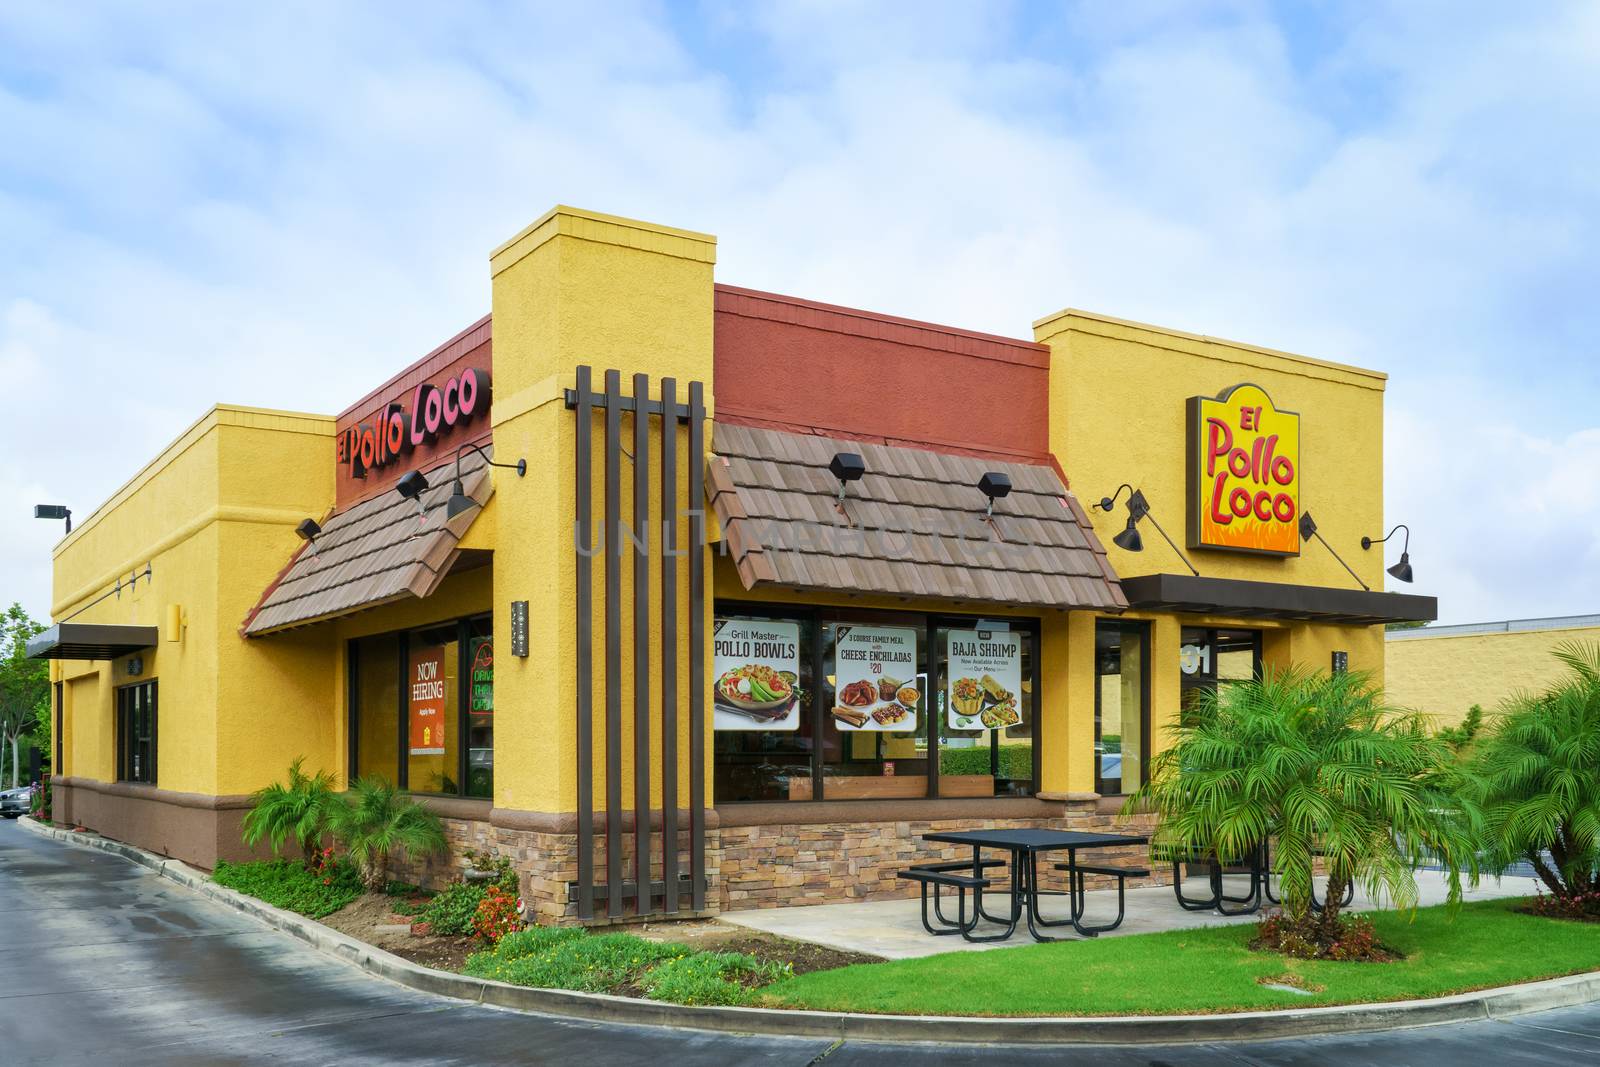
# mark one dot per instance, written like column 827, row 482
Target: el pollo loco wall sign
column 1244, row 473
column 435, row 410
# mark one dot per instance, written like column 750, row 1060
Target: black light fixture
column 459, row 500
column 1130, row 540
column 412, row 486
column 847, row 467
column 53, row 511
column 308, row 530
column 994, row 485
column 1308, row 530
column 1401, row 570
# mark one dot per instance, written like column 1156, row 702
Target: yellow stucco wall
column 213, row 515
column 1445, row 674
column 1118, row 410
column 577, row 288
column 1118, row 393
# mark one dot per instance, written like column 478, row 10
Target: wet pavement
column 107, row 963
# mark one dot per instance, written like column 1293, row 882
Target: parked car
column 14, row 802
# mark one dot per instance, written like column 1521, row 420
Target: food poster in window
column 426, row 700
column 985, row 679
column 757, row 668
column 876, row 686
column 481, row 651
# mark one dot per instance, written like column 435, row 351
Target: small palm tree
column 1319, row 764
column 373, row 818
column 298, row 809
column 1538, row 778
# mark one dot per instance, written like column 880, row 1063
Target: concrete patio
column 893, row 928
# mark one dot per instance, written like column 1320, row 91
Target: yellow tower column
column 577, row 288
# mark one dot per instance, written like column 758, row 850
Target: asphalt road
column 106, row 962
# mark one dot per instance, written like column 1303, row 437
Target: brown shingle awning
column 373, row 553
column 1274, row 600
column 914, row 525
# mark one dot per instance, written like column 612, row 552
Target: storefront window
column 480, row 708
column 752, row 762
column 871, row 690
column 377, row 704
column 874, row 738
column 423, row 705
column 432, row 698
column 1121, row 706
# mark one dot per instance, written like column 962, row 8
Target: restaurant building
column 884, row 599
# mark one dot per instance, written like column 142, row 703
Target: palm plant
column 373, row 818
column 1321, row 765
column 298, row 809
column 1538, row 778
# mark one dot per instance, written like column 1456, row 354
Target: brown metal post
column 613, row 572
column 584, row 533
column 669, row 643
column 643, row 901
column 697, row 644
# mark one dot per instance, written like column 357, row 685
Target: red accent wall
column 469, row 348
column 806, row 367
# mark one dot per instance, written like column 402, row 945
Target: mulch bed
column 371, row 918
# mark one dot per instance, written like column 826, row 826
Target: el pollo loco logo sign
column 435, row 410
column 1244, row 473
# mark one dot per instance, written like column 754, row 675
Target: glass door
column 1209, row 657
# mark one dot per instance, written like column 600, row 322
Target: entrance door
column 1209, row 657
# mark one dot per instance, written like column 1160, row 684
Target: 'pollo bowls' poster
column 875, row 674
column 757, row 666
column 985, row 678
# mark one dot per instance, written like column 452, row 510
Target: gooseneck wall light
column 459, row 500
column 1129, row 540
column 1401, row 570
column 1308, row 530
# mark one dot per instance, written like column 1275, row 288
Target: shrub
column 711, row 978
column 1320, row 764
column 1355, row 938
column 287, row 884
column 1581, row 906
column 373, row 818
column 1537, row 778
column 451, row 911
column 298, row 809
column 1016, row 761
column 496, row 915
column 591, row 963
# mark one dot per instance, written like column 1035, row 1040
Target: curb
column 1503, row 1002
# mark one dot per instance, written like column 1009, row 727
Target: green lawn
column 1203, row 971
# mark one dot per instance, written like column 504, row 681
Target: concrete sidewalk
column 893, row 928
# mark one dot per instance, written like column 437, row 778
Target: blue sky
column 279, row 204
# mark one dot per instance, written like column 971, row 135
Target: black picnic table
column 1025, row 846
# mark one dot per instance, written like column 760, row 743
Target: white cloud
column 280, row 205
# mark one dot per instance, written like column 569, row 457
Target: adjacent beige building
column 1444, row 670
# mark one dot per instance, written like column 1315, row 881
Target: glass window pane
column 377, row 707
column 1120, row 743
column 480, row 709
column 984, row 762
column 769, row 764
column 433, row 705
column 871, row 763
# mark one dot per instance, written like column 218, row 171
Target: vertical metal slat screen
column 673, row 641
